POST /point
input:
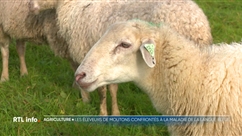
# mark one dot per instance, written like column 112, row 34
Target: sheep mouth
column 85, row 85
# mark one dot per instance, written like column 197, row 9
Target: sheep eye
column 125, row 45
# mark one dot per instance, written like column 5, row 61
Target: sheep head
column 124, row 53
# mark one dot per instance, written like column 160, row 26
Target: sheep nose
column 80, row 76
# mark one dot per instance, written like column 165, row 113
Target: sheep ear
column 147, row 49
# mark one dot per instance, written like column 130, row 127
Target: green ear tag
column 150, row 48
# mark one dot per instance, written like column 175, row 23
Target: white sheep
column 25, row 26
column 179, row 77
column 83, row 22
column 42, row 29
column 22, row 26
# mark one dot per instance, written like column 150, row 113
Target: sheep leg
column 113, row 89
column 4, row 43
column 20, row 45
column 102, row 91
column 5, row 57
column 84, row 95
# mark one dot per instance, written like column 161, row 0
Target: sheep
column 40, row 29
column 179, row 77
column 22, row 26
column 86, row 21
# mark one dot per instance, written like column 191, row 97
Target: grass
column 47, row 89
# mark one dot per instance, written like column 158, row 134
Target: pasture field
column 47, row 90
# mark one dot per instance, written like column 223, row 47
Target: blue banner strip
column 136, row 120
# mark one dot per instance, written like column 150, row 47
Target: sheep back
column 83, row 23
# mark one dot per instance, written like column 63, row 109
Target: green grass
column 47, row 89
column 224, row 17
